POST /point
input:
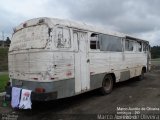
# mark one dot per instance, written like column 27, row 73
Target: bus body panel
column 82, row 75
column 56, row 55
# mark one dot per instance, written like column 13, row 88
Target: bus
column 58, row 58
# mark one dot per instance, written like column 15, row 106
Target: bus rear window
column 33, row 37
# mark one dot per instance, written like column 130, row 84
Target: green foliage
column 155, row 52
column 8, row 41
column 155, row 61
column 3, row 81
column 3, row 59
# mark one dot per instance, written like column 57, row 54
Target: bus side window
column 63, row 38
column 128, row 45
column 75, row 38
column 144, row 47
column 139, row 46
column 94, row 41
column 110, row 43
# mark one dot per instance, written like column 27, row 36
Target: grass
column 155, row 61
column 3, row 59
column 3, row 80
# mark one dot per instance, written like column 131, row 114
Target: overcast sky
column 136, row 17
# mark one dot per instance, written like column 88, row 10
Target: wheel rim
column 108, row 83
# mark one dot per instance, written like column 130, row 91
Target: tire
column 141, row 77
column 107, row 84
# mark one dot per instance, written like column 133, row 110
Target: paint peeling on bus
column 70, row 58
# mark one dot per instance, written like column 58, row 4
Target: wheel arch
column 144, row 69
column 113, row 76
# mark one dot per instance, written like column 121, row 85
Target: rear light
column 39, row 90
column 25, row 25
column 69, row 65
column 35, row 78
column 41, row 21
column 68, row 73
column 54, row 78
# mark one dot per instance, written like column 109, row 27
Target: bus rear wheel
column 107, row 84
column 141, row 77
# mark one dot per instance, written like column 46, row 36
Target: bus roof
column 51, row 22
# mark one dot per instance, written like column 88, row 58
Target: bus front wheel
column 107, row 84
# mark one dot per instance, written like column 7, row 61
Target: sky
column 139, row 18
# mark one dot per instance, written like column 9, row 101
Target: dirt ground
column 135, row 97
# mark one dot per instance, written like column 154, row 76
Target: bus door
column 82, row 74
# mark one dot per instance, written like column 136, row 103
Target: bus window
column 145, row 47
column 129, row 45
column 139, row 46
column 75, row 38
column 94, row 41
column 110, row 43
column 63, row 39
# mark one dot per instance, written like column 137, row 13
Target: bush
column 3, row 81
column 3, row 59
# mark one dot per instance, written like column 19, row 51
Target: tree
column 155, row 52
column 8, row 41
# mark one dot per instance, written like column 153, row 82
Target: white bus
column 58, row 58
